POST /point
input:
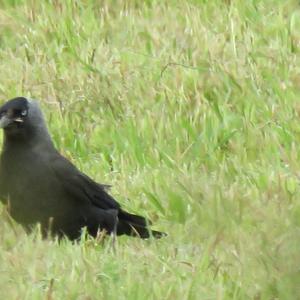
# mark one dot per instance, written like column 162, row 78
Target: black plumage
column 41, row 186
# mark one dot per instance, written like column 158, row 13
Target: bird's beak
column 6, row 121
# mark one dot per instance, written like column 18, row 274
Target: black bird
column 41, row 186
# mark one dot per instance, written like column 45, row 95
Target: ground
column 190, row 109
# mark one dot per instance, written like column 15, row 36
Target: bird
column 40, row 186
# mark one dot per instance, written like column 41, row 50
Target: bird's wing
column 79, row 185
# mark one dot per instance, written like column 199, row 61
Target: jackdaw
column 41, row 186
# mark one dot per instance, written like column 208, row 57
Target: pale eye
column 24, row 112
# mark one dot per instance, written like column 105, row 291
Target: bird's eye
column 24, row 113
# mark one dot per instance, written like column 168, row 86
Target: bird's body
column 41, row 186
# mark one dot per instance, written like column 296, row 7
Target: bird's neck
column 25, row 140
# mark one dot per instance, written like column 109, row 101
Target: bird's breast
column 33, row 193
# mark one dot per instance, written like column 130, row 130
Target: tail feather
column 134, row 225
column 137, row 231
column 133, row 219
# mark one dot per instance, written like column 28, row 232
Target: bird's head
column 21, row 118
column 14, row 113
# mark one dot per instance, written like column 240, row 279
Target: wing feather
column 80, row 186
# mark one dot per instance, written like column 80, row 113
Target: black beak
column 6, row 121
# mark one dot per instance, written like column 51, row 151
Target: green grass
column 190, row 109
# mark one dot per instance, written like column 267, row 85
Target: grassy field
column 190, row 109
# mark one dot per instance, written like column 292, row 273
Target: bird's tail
column 135, row 225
